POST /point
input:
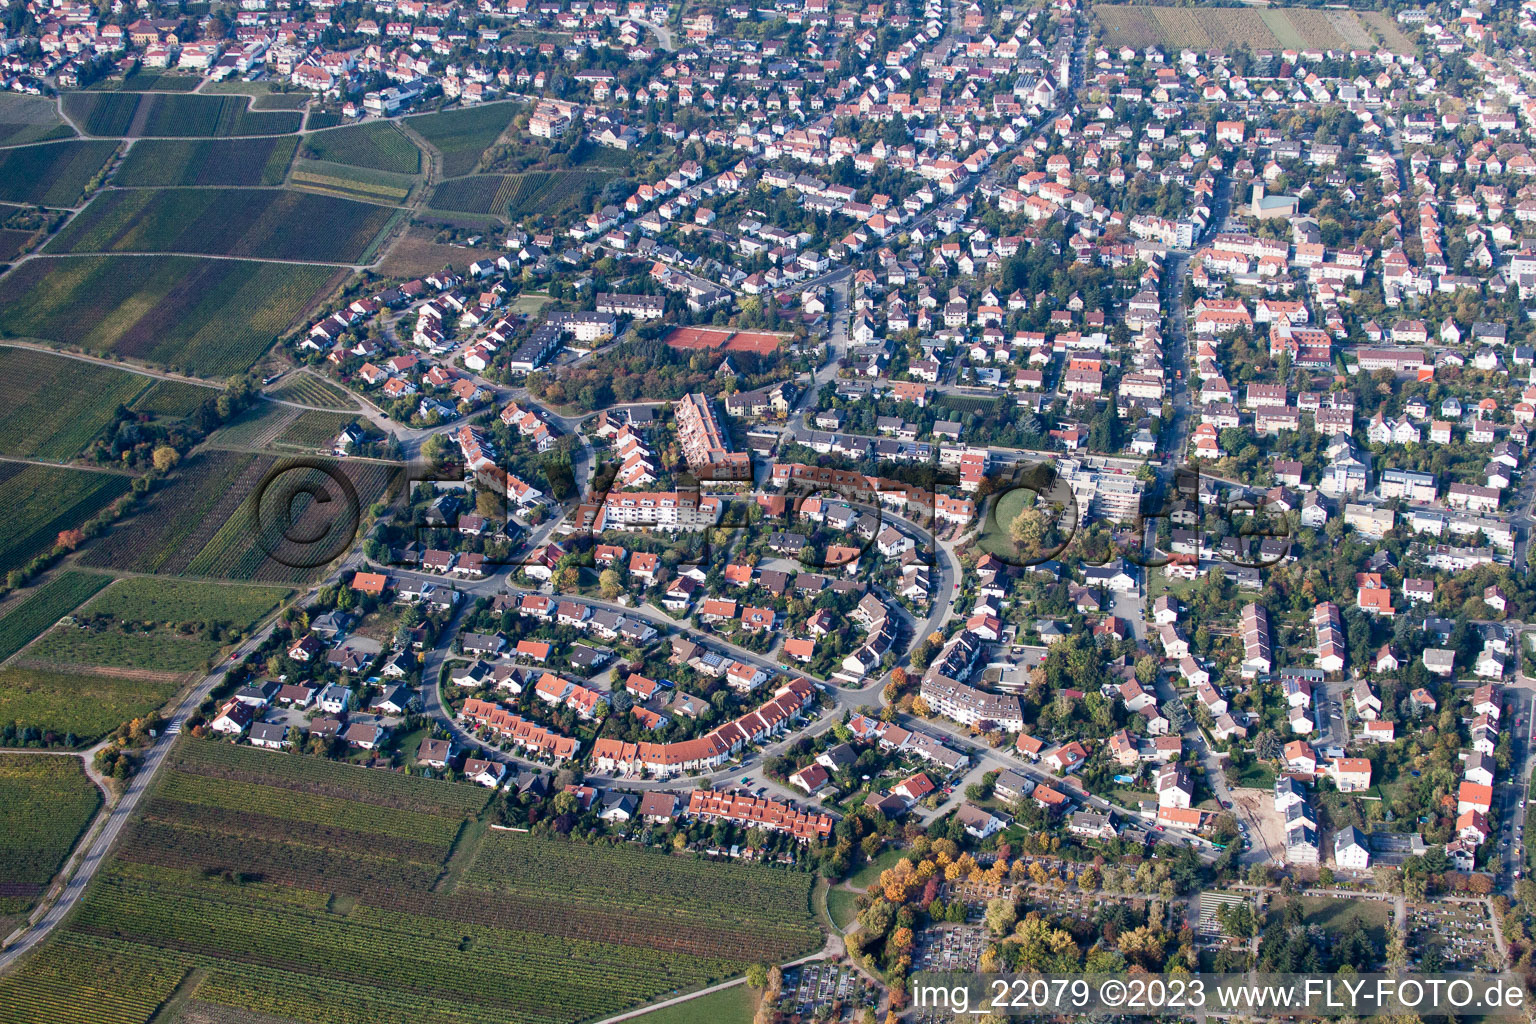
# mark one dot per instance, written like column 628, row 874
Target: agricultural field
column 52, row 174
column 157, row 625
column 12, row 241
column 26, row 618
column 208, row 318
column 308, row 389
column 118, row 114
column 313, row 430
column 262, row 160
column 379, row 145
column 46, row 801
column 144, row 79
column 318, row 120
column 25, row 119
column 417, row 252
column 351, row 182
column 462, row 135
column 519, row 195
column 269, row 223
column 87, row 705
column 334, row 915
column 37, row 502
column 173, row 399
column 1269, row 28
column 202, row 523
column 52, row 406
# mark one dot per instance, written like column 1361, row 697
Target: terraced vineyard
column 118, row 114
column 209, row 318
column 173, row 398
column 160, row 162
column 202, row 525
column 307, row 389
column 26, row 619
column 46, row 802
column 87, row 705
column 314, row 430
column 379, row 145
column 52, row 174
column 36, row 502
column 51, row 406
column 25, row 119
column 269, row 223
column 158, row 625
column 351, row 182
column 462, row 135
column 334, row 918
column 518, row 195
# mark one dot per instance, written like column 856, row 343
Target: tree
column 166, row 457
column 611, row 583
column 757, row 976
column 1146, row 670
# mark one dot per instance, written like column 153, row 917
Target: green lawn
column 734, row 1005
column 869, row 874
column 994, row 531
column 842, row 906
column 1335, row 914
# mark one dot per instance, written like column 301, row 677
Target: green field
column 307, row 389
column 85, row 704
column 26, row 618
column 202, row 523
column 336, row 915
column 25, row 119
column 994, row 537
column 379, row 145
column 351, row 182
column 208, row 318
column 462, row 135
column 52, row 406
column 46, row 801
column 262, row 160
column 117, row 114
column 734, row 1005
column 36, row 502
column 53, row 174
column 161, row 625
column 268, row 223
column 173, row 399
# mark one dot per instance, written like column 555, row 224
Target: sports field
column 730, row 341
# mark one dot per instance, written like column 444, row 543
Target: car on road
column 746, row 780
